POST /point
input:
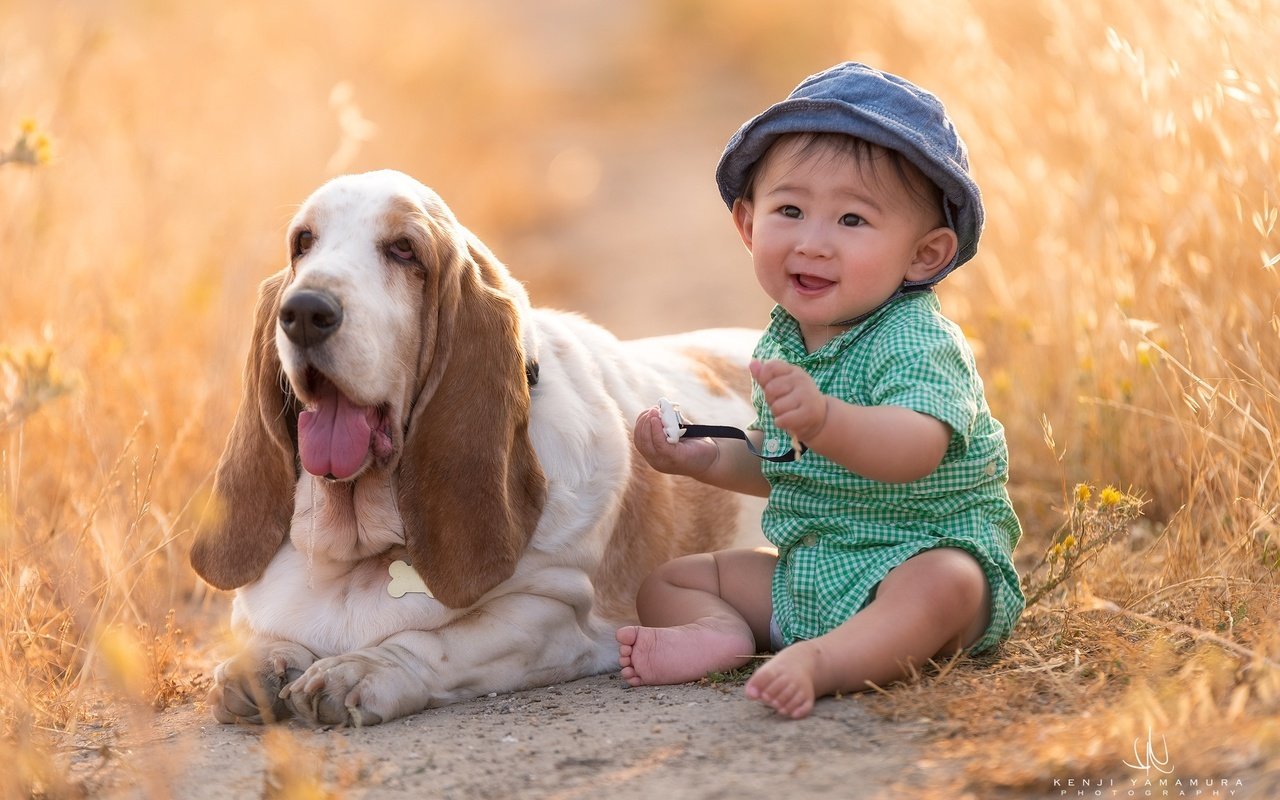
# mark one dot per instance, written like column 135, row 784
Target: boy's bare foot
column 653, row 656
column 786, row 682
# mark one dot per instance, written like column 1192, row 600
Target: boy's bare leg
column 930, row 606
column 701, row 613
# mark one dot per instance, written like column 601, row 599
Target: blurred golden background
column 1123, row 303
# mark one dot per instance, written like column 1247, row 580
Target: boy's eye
column 852, row 220
column 790, row 211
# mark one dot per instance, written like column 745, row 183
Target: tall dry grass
column 1123, row 305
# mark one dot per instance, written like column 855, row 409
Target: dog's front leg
column 512, row 642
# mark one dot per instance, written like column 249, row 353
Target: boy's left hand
column 798, row 406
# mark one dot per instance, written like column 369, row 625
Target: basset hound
column 429, row 491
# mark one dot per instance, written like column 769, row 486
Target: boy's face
column 832, row 238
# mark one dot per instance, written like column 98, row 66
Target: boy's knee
column 953, row 579
column 686, row 572
column 961, row 582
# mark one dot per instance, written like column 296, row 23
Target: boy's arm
column 891, row 444
column 726, row 465
column 883, row 443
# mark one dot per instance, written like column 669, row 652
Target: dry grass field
column 1124, row 305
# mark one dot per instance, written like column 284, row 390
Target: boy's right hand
column 689, row 456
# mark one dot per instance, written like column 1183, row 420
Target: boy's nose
column 814, row 242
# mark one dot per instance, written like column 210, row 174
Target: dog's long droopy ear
column 249, row 513
column 471, row 488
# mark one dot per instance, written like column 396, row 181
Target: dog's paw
column 341, row 690
column 246, row 688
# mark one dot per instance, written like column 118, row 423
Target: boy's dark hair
column 924, row 191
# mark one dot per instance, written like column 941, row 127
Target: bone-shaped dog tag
column 405, row 580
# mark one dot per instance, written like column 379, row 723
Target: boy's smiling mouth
column 810, row 284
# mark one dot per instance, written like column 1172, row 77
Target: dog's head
column 391, row 342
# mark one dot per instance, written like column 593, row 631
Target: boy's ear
column 934, row 252
column 743, row 220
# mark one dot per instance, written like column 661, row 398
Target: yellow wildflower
column 32, row 146
column 1069, row 542
column 1083, row 493
column 43, row 149
column 1109, row 497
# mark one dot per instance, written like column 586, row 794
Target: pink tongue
column 334, row 435
column 812, row 282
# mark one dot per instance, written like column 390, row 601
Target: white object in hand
column 670, row 414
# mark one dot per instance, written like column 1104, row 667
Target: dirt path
column 586, row 739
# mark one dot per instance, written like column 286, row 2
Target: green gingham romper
column 839, row 534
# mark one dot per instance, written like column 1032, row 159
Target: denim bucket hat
column 879, row 108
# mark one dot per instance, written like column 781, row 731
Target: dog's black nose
column 309, row 317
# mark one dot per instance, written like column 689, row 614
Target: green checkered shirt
column 839, row 534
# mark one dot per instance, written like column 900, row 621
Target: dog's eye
column 302, row 242
column 402, row 249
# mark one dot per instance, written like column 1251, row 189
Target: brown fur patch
column 720, row 375
column 662, row 517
